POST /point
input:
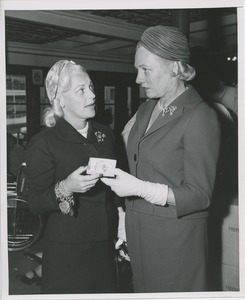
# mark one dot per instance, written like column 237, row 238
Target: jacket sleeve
column 201, row 151
column 40, row 176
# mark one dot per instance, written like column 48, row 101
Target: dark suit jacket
column 168, row 245
column 51, row 156
column 179, row 150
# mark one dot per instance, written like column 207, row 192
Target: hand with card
column 124, row 184
column 85, row 177
column 80, row 182
column 101, row 165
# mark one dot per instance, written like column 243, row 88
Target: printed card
column 101, row 166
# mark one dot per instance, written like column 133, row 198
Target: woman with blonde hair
column 78, row 254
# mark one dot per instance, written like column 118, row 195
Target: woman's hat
column 167, row 42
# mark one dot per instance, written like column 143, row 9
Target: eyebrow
column 79, row 86
column 143, row 65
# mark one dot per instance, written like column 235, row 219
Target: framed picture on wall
column 37, row 77
column 109, row 114
column 109, row 94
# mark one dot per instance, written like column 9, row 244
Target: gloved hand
column 121, row 232
column 125, row 185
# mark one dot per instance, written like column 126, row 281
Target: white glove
column 125, row 185
column 121, row 233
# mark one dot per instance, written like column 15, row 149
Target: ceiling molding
column 84, row 22
column 27, row 54
column 35, row 49
column 107, row 38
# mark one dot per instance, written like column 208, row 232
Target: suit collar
column 188, row 99
column 148, row 109
column 67, row 132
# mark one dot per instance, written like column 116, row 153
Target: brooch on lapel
column 100, row 136
column 167, row 109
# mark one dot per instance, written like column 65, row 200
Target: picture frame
column 109, row 94
column 37, row 76
column 110, row 109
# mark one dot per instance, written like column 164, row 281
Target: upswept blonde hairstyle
column 58, row 80
column 185, row 71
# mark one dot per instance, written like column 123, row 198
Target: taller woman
column 172, row 151
column 82, row 217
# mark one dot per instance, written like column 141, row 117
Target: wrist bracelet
column 66, row 201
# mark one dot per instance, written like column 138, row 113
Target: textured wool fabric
column 167, row 42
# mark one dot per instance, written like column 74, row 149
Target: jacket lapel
column 68, row 133
column 143, row 121
column 188, row 99
column 91, row 137
column 163, row 120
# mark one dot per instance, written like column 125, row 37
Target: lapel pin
column 167, row 109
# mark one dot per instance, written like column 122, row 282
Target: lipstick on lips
column 91, row 104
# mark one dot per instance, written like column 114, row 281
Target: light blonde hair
column 185, row 71
column 58, row 81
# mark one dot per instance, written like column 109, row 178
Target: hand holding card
column 102, row 166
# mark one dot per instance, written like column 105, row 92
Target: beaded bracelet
column 66, row 202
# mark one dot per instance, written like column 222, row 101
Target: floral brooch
column 100, row 136
column 167, row 109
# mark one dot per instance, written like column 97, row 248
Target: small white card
column 101, row 166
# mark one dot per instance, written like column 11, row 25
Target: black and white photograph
column 122, row 146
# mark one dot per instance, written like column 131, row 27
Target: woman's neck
column 78, row 124
column 172, row 94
